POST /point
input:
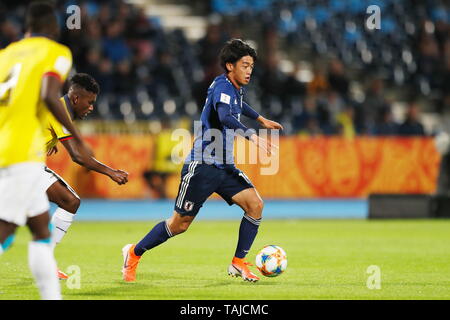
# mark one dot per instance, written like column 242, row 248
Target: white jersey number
column 9, row 83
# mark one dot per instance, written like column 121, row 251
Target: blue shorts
column 200, row 180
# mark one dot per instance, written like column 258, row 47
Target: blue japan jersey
column 214, row 141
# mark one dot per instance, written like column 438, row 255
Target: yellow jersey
column 163, row 153
column 55, row 130
column 23, row 114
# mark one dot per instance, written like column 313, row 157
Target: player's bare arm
column 119, row 176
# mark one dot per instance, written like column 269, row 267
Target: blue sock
column 247, row 233
column 159, row 234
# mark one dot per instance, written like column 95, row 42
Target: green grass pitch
column 327, row 259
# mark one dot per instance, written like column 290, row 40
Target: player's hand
column 269, row 124
column 119, row 176
column 264, row 144
column 52, row 151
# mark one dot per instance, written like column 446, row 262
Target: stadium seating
column 147, row 71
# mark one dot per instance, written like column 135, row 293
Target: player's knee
column 255, row 208
column 42, row 235
column 72, row 204
column 260, row 205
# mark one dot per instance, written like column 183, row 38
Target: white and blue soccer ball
column 271, row 261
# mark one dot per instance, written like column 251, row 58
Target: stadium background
column 360, row 107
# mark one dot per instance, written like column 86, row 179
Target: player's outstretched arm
column 266, row 123
column 119, row 176
column 261, row 142
column 50, row 91
column 231, row 122
column 252, row 114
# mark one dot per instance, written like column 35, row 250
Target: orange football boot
column 130, row 263
column 62, row 275
column 239, row 268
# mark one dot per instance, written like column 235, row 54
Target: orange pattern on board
column 308, row 167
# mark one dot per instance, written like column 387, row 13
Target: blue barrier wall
column 102, row 210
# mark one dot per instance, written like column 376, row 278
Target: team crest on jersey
column 188, row 205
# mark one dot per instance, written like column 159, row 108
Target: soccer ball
column 271, row 261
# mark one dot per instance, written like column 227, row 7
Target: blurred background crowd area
column 320, row 70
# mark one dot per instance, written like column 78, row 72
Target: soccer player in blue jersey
column 210, row 168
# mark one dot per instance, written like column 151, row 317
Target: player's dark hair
column 234, row 50
column 86, row 82
column 39, row 16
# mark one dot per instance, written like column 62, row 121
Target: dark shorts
column 200, row 180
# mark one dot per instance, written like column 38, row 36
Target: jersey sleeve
column 59, row 63
column 59, row 131
column 227, row 119
column 222, row 94
column 249, row 111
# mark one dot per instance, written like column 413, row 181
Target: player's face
column 84, row 103
column 243, row 70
